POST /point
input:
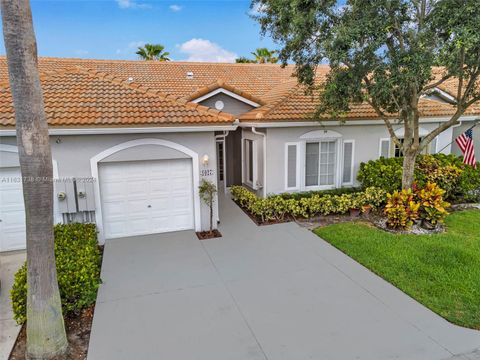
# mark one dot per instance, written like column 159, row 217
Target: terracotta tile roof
column 135, row 93
column 77, row 96
column 220, row 84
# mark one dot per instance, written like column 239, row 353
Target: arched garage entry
column 139, row 194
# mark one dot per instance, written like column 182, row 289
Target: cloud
column 257, row 9
column 131, row 48
column 131, row 4
column 205, row 50
column 175, row 8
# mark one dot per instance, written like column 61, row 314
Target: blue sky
column 112, row 29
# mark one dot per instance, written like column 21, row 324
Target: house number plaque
column 206, row 172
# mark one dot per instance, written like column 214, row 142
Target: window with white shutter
column 384, row 148
column 348, row 149
column 292, row 166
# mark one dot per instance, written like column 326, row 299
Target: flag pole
column 450, row 143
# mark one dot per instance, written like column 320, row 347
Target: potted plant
column 355, row 206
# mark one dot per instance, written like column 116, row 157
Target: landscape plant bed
column 441, row 271
column 205, row 235
column 325, row 220
column 258, row 221
column 78, row 328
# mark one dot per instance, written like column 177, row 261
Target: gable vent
column 189, row 75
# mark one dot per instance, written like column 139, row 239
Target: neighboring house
column 132, row 139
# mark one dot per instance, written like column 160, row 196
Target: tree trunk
column 46, row 338
column 409, row 159
column 211, row 217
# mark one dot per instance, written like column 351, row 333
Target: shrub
column 78, row 270
column 460, row 181
column 406, row 206
column 401, row 209
column 432, row 205
column 277, row 207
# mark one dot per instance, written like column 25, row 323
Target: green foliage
column 432, row 206
column 383, row 53
column 460, row 181
column 207, row 190
column 441, row 271
column 401, row 209
column 264, row 55
column 153, row 52
column 244, row 60
column 78, row 270
column 277, row 207
column 405, row 206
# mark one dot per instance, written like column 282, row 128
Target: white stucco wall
column 73, row 153
column 366, row 137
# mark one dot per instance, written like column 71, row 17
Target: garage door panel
column 12, row 210
column 157, row 196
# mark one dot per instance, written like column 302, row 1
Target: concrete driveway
column 273, row 292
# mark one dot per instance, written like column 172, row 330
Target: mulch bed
column 77, row 326
column 205, row 235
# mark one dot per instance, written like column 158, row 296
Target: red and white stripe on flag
column 465, row 143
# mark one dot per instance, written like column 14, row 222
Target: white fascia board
column 226, row 92
column 280, row 124
column 142, row 130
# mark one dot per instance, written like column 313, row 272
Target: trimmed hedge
column 78, row 263
column 278, row 207
column 460, row 181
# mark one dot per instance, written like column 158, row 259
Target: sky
column 113, row 29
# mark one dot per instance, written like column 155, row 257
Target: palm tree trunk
column 46, row 338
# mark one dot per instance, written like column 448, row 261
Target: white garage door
column 146, row 197
column 12, row 210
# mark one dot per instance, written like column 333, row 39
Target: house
column 131, row 141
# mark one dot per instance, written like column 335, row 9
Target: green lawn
column 441, row 271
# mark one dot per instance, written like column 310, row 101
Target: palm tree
column 263, row 55
column 153, row 52
column 46, row 337
column 244, row 60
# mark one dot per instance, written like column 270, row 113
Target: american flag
column 465, row 143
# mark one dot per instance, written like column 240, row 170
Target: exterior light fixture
column 205, row 160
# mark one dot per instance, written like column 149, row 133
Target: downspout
column 254, row 130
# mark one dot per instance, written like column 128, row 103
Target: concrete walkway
column 10, row 262
column 273, row 292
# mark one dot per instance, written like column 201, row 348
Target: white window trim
column 352, row 165
column 297, row 171
column 380, row 147
column 337, row 181
column 253, row 183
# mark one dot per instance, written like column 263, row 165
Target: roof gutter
column 129, row 130
column 254, row 130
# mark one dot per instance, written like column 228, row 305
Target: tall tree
column 383, row 52
column 244, row 60
column 263, row 56
column 153, row 52
column 46, row 336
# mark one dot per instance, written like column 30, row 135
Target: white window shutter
column 385, row 148
column 292, row 166
column 433, row 146
column 348, row 148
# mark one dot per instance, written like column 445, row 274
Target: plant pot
column 366, row 209
column 354, row 212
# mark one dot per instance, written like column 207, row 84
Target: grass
column 441, row 271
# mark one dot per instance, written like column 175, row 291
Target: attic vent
column 189, row 75
column 130, row 79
